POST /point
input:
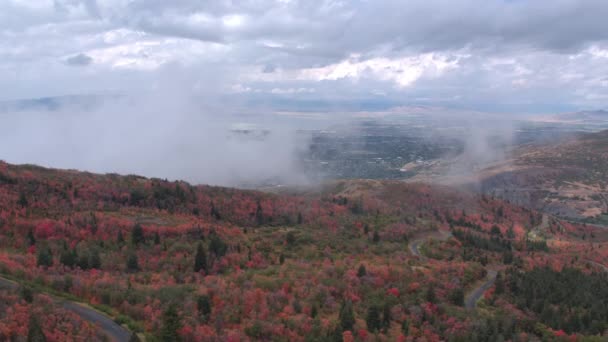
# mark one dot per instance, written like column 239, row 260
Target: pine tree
column 203, row 304
column 137, row 235
column 156, row 238
column 31, row 240
column 171, row 325
column 22, row 200
column 200, row 259
column 119, row 238
column 347, row 316
column 386, row 316
column 373, row 319
column 35, row 333
column 95, row 260
column 259, row 215
column 45, row 257
column 376, row 237
column 362, row 271
column 457, row 296
column 132, row 263
column 68, row 257
column 430, row 294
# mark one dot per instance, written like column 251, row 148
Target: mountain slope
column 207, row 263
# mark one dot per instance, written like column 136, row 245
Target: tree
column 430, row 294
column 171, row 324
column 132, row 263
column 22, row 202
column 376, row 237
column 362, row 271
column 386, row 316
column 120, row 239
column 290, row 238
column 217, row 246
column 347, row 316
column 68, row 257
column 35, row 333
column 457, row 296
column 26, row 294
column 45, row 257
column 200, row 259
column 259, row 214
column 156, row 238
column 95, row 259
column 300, row 219
column 31, row 240
column 373, row 319
column 137, row 235
column 203, row 304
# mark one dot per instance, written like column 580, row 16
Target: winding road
column 474, row 296
column 111, row 329
column 471, row 300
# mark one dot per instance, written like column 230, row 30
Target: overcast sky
column 542, row 55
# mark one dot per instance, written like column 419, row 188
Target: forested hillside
column 171, row 261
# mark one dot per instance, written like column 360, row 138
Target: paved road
column 110, row 328
column 603, row 267
column 471, row 300
column 415, row 244
column 114, row 331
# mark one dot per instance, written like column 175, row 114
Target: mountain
column 349, row 260
column 566, row 178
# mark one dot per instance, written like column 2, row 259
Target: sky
column 494, row 55
column 155, row 87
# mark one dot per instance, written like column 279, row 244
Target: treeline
column 569, row 300
column 494, row 244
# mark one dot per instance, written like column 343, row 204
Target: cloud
column 431, row 49
column 79, row 60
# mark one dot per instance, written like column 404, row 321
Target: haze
column 172, row 80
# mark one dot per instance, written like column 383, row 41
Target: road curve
column 471, row 300
column 111, row 329
column 414, row 246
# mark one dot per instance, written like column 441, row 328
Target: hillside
column 566, row 179
column 348, row 261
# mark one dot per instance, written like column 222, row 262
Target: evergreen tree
column 217, row 246
column 132, row 263
column 200, row 259
column 68, row 257
column 203, row 304
column 362, row 271
column 156, row 238
column 171, row 325
column 31, row 240
column 386, row 316
column 430, row 294
column 300, row 219
column 95, row 260
column 373, row 319
column 45, row 257
column 347, row 316
column 137, row 235
column 376, row 237
column 259, row 214
column 35, row 333
column 457, row 296
column 120, row 238
column 22, row 200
